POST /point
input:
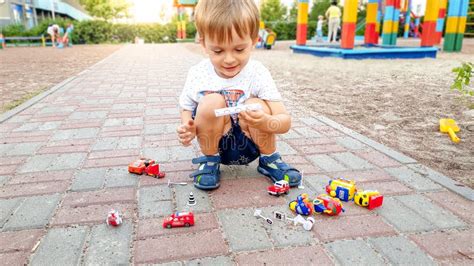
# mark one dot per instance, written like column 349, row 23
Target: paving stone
column 285, row 149
column 244, row 232
column 123, row 122
column 129, row 143
column 401, row 251
column 254, row 189
column 19, row 240
column 42, row 177
column 109, row 162
column 377, row 158
column 308, row 132
column 354, row 252
column 351, row 143
column 45, row 162
column 57, row 110
column 412, row 179
column 159, row 154
column 329, row 228
column 27, row 148
column 386, row 188
column 326, row 163
column 120, row 177
column 14, row 258
column 311, row 142
column 317, row 182
column 67, row 161
column 7, row 207
column 34, row 212
column 99, row 197
column 311, row 121
column 312, row 255
column 402, row 217
column 321, row 149
column 203, row 203
column 363, row 176
column 431, row 212
column 109, row 244
column 284, row 233
column 61, row 246
column 455, row 203
column 203, row 244
column 88, row 115
column 155, row 201
column 3, row 180
column 114, row 154
column 92, row 214
column 219, row 260
column 151, row 129
column 27, row 127
column 291, row 134
column 105, row 144
column 89, row 179
column 451, row 244
column 80, row 133
column 352, row 161
column 8, row 169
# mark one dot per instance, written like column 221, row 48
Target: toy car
column 280, row 187
column 145, row 166
column 327, row 205
column 342, row 189
column 369, row 198
column 302, row 205
column 179, row 219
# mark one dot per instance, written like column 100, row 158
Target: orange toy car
column 145, row 166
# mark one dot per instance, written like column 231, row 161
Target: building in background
column 30, row 12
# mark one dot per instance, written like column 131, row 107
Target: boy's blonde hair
column 217, row 18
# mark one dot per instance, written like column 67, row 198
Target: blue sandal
column 208, row 175
column 273, row 167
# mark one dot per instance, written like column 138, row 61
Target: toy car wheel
column 186, row 224
column 286, row 192
column 168, row 226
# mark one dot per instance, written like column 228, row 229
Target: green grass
column 23, row 99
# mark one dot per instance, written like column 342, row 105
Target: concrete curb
column 437, row 177
column 9, row 114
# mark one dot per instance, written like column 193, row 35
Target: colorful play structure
column 431, row 35
column 266, row 37
column 181, row 23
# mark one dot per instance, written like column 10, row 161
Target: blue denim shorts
column 235, row 148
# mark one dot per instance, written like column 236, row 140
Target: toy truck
column 280, row 187
column 342, row 189
column 327, row 205
column 145, row 166
column 369, row 198
column 179, row 219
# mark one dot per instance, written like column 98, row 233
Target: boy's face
column 229, row 58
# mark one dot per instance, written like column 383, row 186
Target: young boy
column 228, row 31
column 319, row 29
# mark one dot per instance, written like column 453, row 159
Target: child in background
column 228, row 31
column 53, row 31
column 319, row 29
column 2, row 41
column 66, row 38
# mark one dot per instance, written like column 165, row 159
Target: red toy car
column 280, row 187
column 179, row 219
column 327, row 205
column 145, row 166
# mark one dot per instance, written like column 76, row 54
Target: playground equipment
column 266, row 37
column 432, row 30
column 181, row 23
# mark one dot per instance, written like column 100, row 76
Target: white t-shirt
column 254, row 80
column 320, row 25
column 52, row 28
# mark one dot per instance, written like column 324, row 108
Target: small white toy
column 258, row 213
column 307, row 223
column 176, row 183
column 237, row 109
column 301, row 186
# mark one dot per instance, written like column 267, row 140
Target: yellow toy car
column 369, row 198
column 342, row 189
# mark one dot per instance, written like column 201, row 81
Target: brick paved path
column 63, row 167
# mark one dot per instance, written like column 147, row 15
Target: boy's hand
column 186, row 133
column 255, row 119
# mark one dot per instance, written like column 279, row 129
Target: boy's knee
column 209, row 103
column 264, row 105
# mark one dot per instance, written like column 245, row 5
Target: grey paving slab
column 27, row 148
column 57, row 110
column 155, row 129
column 155, row 201
column 327, row 163
column 136, row 121
column 34, row 212
column 317, row 182
column 105, row 144
column 285, row 149
column 389, row 152
column 38, row 126
column 129, row 143
column 311, row 121
column 89, row 179
column 352, row 161
column 88, row 115
column 162, row 111
column 438, row 216
column 27, row 127
column 216, row 261
column 109, row 245
column 447, row 182
column 120, row 177
column 128, row 106
column 291, row 134
column 412, row 179
column 284, row 233
column 308, row 132
column 354, row 252
column 61, row 246
column 160, row 154
column 3, row 179
column 80, row 133
column 180, row 153
column 243, row 231
column 203, row 203
column 402, row 217
column 7, row 207
column 67, row 161
column 400, row 251
column 351, row 143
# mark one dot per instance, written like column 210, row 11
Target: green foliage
column 13, row 30
column 272, row 10
column 106, row 9
column 319, row 8
column 463, row 79
column 293, row 11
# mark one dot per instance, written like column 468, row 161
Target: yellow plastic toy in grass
column 449, row 126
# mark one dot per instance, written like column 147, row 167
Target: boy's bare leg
column 209, row 128
column 265, row 142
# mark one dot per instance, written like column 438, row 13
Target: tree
column 293, row 11
column 106, row 9
column 319, row 8
column 272, row 10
